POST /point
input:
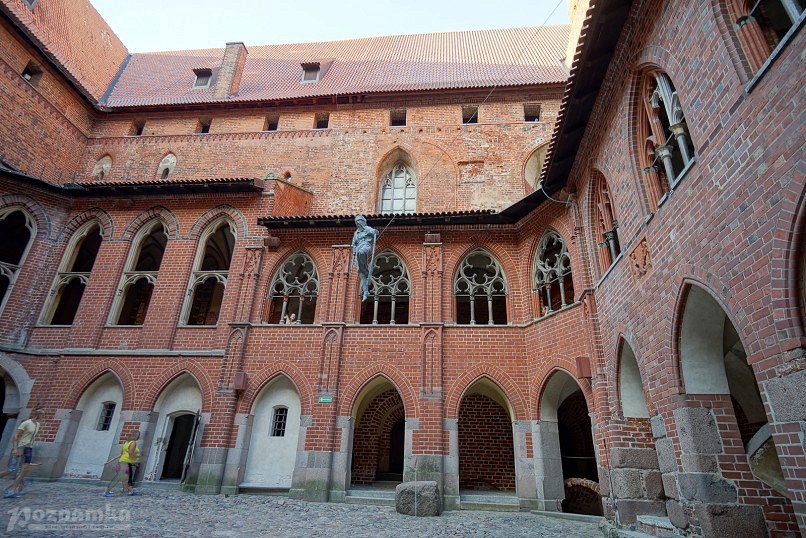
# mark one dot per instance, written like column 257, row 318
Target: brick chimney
column 229, row 76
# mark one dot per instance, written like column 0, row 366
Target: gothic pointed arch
column 102, row 168
column 663, row 142
column 211, row 267
column 389, row 291
column 397, row 191
column 533, row 167
column 480, row 290
column 166, row 166
column 630, row 384
column 168, row 218
column 18, row 231
column 293, row 291
column 605, row 223
column 551, row 273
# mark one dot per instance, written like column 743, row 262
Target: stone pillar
column 235, row 465
column 636, row 484
column 526, row 481
column 548, row 465
column 786, row 397
column 450, row 465
column 665, row 154
column 680, row 133
column 52, row 457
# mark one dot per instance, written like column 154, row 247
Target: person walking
column 129, row 456
column 23, row 449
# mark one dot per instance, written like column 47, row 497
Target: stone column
column 548, row 465
column 526, row 481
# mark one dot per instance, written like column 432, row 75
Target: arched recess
column 274, row 436
column 533, row 168
column 43, row 225
column 566, row 457
column 631, row 387
column 486, row 441
column 102, row 168
column 168, row 218
column 380, row 441
column 15, row 387
column 18, row 232
column 176, row 430
column 98, row 428
column 713, row 362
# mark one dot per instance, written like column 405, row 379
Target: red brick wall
column 486, row 450
column 371, row 436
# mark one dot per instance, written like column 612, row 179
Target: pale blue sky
column 156, row 25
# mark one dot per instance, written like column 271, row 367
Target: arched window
column 17, row 230
column 166, row 166
column 762, row 24
column 209, row 277
column 389, row 290
column 74, row 273
column 398, row 190
column 665, row 147
column 552, row 274
column 294, row 291
column 606, row 225
column 140, row 275
column 481, row 290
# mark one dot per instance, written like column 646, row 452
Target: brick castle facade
column 588, row 286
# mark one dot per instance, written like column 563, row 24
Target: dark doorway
column 396, row 440
column 177, row 446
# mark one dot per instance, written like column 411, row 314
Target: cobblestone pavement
column 62, row 509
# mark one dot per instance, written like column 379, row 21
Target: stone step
column 254, row 489
column 489, row 502
column 655, row 526
column 377, row 493
column 374, row 501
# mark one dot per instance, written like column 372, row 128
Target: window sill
column 683, row 173
column 609, row 270
column 555, row 312
column 197, row 326
column 790, row 35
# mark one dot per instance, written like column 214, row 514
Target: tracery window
column 665, row 145
column 210, row 272
column 607, row 240
column 762, row 24
column 74, row 273
column 17, row 229
column 398, row 190
column 140, row 276
column 294, row 291
column 389, row 290
column 480, row 290
column 552, row 274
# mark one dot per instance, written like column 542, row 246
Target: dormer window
column 310, row 72
column 203, row 78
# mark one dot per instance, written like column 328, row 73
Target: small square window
column 271, row 123
column 310, row 71
column 203, row 127
column 279, row 422
column 137, row 128
column 203, row 78
column 397, row 117
column 105, row 418
column 470, row 114
column 322, row 120
column 32, row 73
column 531, row 112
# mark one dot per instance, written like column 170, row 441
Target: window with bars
column 105, row 418
column 279, row 422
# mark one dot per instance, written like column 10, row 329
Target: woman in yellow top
column 130, row 454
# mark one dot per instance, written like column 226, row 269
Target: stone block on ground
column 419, row 498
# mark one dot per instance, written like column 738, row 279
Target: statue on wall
column 364, row 252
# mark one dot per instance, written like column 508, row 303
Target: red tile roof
column 452, row 60
column 75, row 37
